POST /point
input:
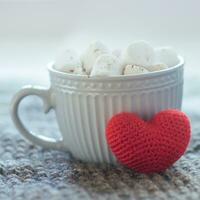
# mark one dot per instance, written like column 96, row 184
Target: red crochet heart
column 152, row 146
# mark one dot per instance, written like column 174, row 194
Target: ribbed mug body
column 83, row 106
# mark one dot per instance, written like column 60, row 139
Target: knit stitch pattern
column 151, row 146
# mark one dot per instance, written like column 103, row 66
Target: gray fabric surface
column 30, row 172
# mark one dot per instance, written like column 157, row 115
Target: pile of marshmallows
column 97, row 61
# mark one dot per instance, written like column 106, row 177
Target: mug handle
column 45, row 95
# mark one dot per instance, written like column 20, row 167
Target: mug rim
column 51, row 69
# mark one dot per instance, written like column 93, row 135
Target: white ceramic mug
column 84, row 105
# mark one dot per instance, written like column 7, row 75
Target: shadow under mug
column 84, row 105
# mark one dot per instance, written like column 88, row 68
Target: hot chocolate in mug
column 84, row 105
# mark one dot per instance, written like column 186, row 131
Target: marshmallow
column 92, row 53
column 157, row 67
column 107, row 65
column 68, row 62
column 167, row 56
column 134, row 69
column 139, row 53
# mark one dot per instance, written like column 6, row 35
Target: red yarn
column 152, row 146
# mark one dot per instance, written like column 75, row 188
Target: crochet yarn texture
column 152, row 146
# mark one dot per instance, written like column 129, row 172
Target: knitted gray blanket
column 30, row 172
